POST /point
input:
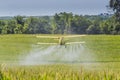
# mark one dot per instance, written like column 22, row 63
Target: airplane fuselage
column 61, row 41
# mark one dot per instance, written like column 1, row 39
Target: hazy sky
column 50, row 7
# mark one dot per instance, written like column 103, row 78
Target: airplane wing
column 68, row 43
column 47, row 43
column 46, row 37
column 76, row 42
column 71, row 36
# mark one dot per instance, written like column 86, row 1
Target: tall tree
column 2, row 24
column 115, row 5
column 63, row 22
column 80, row 24
column 19, row 19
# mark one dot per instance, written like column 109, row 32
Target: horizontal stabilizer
column 72, row 36
column 75, row 42
column 46, row 37
column 47, row 43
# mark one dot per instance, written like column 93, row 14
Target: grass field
column 104, row 48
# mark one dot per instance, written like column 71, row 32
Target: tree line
column 61, row 23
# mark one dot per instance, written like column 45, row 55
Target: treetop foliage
column 60, row 23
column 115, row 5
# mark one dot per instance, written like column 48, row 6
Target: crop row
column 55, row 72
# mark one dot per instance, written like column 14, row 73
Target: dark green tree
column 11, row 25
column 80, row 24
column 92, row 29
column 2, row 24
column 115, row 5
column 62, row 22
column 19, row 19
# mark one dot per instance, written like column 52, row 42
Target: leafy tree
column 80, row 24
column 19, row 19
column 32, row 25
column 36, row 25
column 11, row 25
column 2, row 24
column 115, row 5
column 107, row 26
column 54, row 27
column 45, row 27
column 92, row 29
column 62, row 22
column 25, row 28
column 116, row 28
column 4, row 30
column 19, row 24
column 18, row 29
column 104, row 27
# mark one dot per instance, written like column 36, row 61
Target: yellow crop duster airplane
column 61, row 39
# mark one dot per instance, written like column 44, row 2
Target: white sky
column 50, row 7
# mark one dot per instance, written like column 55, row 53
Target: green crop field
column 100, row 59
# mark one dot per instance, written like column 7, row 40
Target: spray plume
column 53, row 54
